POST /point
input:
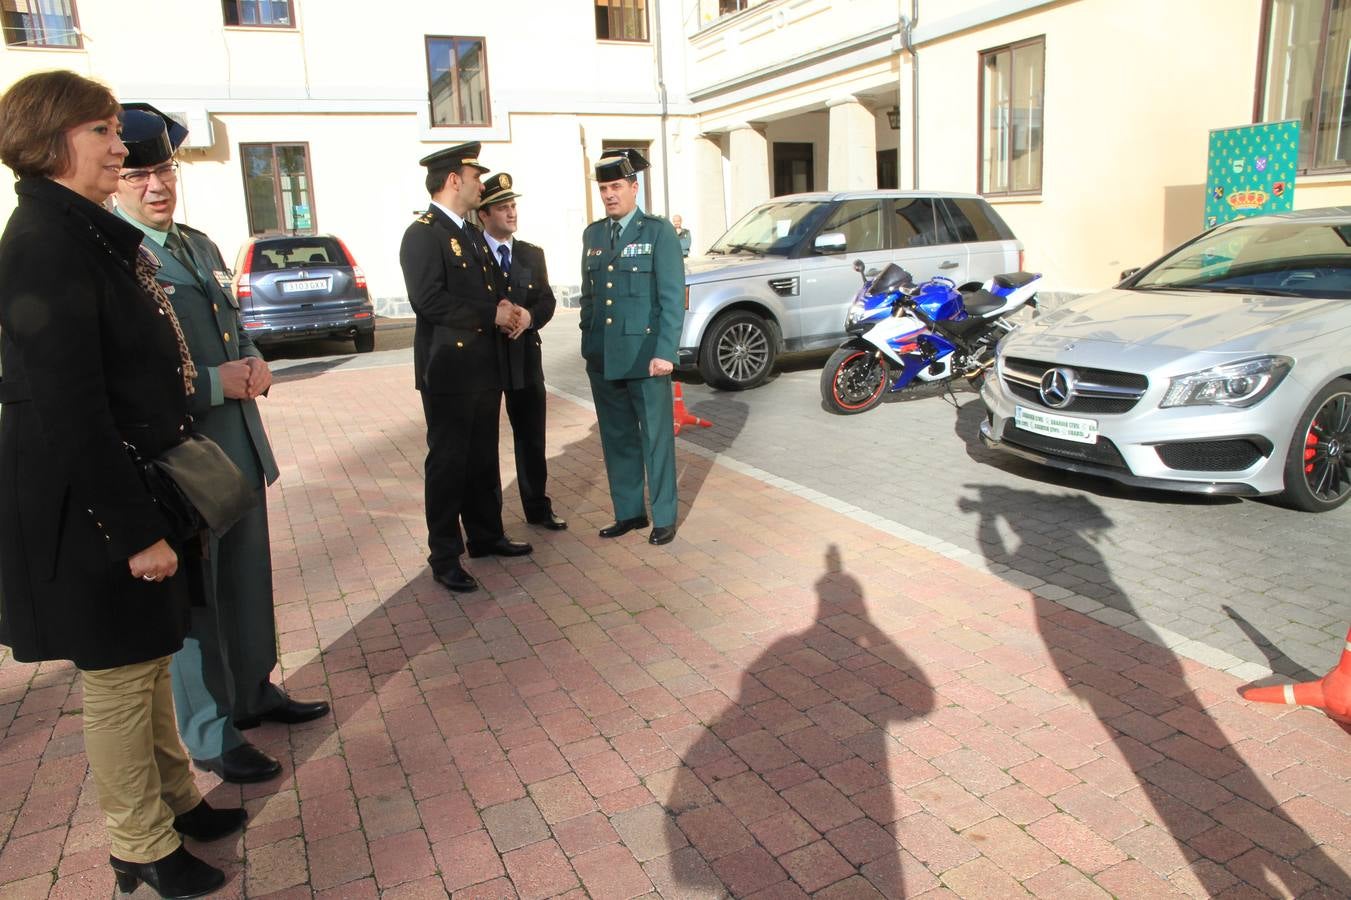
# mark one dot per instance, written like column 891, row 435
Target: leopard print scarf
column 146, row 267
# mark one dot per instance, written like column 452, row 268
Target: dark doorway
column 794, row 168
column 888, row 170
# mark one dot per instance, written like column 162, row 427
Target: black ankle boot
column 175, row 877
column 206, row 823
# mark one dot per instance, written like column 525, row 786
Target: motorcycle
column 903, row 336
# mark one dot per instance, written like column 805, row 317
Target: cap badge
column 505, row 181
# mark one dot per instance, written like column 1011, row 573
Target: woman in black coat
column 92, row 357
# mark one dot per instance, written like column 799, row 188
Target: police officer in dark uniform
column 222, row 675
column 632, row 309
column 527, row 282
column 459, row 353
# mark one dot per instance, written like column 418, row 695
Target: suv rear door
column 293, row 273
column 924, row 247
column 989, row 243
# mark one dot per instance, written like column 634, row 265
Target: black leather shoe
column 205, row 823
column 551, row 522
column 662, row 534
column 290, row 712
column 623, row 526
column 175, row 877
column 503, row 546
column 455, row 578
column 244, row 764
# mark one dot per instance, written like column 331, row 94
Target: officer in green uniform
column 222, row 676
column 632, row 310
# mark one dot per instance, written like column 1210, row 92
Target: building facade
column 1084, row 121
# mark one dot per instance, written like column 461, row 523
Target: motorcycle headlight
column 854, row 314
column 1239, row 384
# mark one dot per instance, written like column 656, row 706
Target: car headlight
column 1238, row 384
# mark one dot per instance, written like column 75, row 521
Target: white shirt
column 494, row 243
column 458, row 220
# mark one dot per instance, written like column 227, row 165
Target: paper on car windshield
column 781, row 227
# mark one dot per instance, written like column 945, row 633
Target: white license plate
column 309, row 284
column 1067, row 428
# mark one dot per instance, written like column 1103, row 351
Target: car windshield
column 1282, row 257
column 774, row 228
column 297, row 253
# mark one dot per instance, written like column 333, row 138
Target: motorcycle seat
column 981, row 302
column 1014, row 279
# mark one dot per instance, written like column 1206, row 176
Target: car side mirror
column 1127, row 273
column 831, row 242
column 858, row 266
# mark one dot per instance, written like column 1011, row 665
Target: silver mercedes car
column 1222, row 368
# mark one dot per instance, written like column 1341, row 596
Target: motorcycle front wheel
column 853, row 381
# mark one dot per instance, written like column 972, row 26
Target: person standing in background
column 632, row 309
column 222, row 678
column 527, row 286
column 458, row 355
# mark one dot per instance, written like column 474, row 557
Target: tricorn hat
column 621, row 162
column 451, row 158
column 496, row 188
column 150, row 135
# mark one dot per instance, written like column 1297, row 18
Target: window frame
column 291, row 26
column 1320, row 67
column 75, row 27
column 455, row 75
column 981, row 124
column 647, row 23
column 276, row 189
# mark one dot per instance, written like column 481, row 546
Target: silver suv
column 781, row 279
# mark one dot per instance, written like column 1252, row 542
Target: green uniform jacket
column 209, row 315
column 633, row 296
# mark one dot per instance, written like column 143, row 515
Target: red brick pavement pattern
column 782, row 702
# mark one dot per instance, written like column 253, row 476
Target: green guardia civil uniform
column 223, row 671
column 632, row 310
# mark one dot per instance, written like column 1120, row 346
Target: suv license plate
column 1067, row 428
column 310, row 284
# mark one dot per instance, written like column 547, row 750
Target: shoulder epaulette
column 426, row 218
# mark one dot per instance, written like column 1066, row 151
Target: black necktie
column 614, row 234
column 504, row 254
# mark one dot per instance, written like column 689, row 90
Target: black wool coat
column 453, row 287
column 88, row 362
column 528, row 286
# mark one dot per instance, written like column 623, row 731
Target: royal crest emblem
column 505, row 181
column 455, row 247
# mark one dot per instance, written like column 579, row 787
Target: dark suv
column 781, row 279
column 302, row 287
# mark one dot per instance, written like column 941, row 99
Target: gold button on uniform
column 215, row 308
column 609, row 268
column 609, row 284
column 459, row 343
column 609, row 303
column 226, row 337
column 608, row 321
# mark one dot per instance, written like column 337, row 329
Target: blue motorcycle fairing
column 936, row 348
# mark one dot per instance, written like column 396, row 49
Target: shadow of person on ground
column 800, row 775
column 1277, row 661
column 1220, row 812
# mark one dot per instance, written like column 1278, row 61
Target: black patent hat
column 150, row 135
column 621, row 162
column 450, row 158
column 496, row 189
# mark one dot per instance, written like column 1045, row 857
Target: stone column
column 706, row 217
column 852, row 157
column 749, row 152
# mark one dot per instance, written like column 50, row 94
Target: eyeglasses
column 141, row 177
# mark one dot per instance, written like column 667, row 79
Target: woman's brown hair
column 36, row 112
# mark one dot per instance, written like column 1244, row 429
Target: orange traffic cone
column 1331, row 693
column 682, row 415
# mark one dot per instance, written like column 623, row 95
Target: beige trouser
column 140, row 768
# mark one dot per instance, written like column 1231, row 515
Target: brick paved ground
column 783, row 702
